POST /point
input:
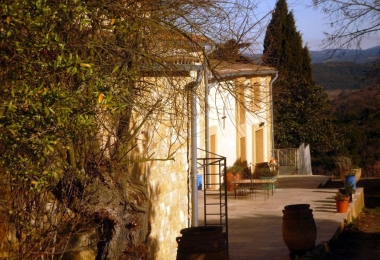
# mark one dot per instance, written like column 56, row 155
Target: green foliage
column 359, row 123
column 352, row 224
column 67, row 71
column 78, row 83
column 236, row 168
column 349, row 188
column 340, row 197
column 275, row 36
column 41, row 74
column 71, row 75
column 323, row 163
column 301, row 111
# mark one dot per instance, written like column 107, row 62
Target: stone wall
column 168, row 192
column 167, row 177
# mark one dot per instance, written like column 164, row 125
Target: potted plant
column 341, row 201
column 348, row 190
column 233, row 173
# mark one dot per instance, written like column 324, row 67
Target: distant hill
column 342, row 71
column 357, row 56
column 343, row 75
column 325, row 56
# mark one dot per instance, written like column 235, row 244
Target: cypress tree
column 301, row 111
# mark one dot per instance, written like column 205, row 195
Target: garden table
column 266, row 185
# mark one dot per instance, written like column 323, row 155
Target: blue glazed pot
column 350, row 179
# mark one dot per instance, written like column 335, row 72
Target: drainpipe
column 207, row 132
column 271, row 101
column 194, row 173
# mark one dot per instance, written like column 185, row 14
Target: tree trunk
column 121, row 211
column 123, row 214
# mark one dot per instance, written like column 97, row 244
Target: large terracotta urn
column 298, row 229
column 232, row 177
column 204, row 242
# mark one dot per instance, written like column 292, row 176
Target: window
column 256, row 95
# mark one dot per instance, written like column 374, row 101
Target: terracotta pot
column 203, row 242
column 298, row 229
column 342, row 205
column 230, row 178
column 358, row 174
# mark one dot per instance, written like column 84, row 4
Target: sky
column 311, row 24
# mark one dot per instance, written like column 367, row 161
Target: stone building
column 227, row 112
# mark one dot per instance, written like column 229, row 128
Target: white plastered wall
column 223, row 117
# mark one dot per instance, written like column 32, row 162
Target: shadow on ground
column 360, row 240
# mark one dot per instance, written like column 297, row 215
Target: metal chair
column 246, row 189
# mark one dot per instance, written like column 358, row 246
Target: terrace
column 255, row 222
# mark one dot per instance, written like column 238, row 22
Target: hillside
column 358, row 120
column 366, row 97
column 343, row 75
column 341, row 71
column 357, row 56
column 344, row 71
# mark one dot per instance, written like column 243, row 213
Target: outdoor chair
column 242, row 190
column 246, row 189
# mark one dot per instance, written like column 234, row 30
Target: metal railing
column 213, row 170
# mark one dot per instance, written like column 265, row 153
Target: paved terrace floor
column 255, row 224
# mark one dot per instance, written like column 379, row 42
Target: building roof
column 225, row 70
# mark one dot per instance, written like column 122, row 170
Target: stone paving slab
column 255, row 223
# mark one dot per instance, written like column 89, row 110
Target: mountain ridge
column 343, row 70
column 336, row 55
column 340, row 55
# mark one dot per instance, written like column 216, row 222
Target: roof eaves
column 225, row 76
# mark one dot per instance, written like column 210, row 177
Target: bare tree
column 352, row 21
column 79, row 80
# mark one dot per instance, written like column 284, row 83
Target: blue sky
column 311, row 23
